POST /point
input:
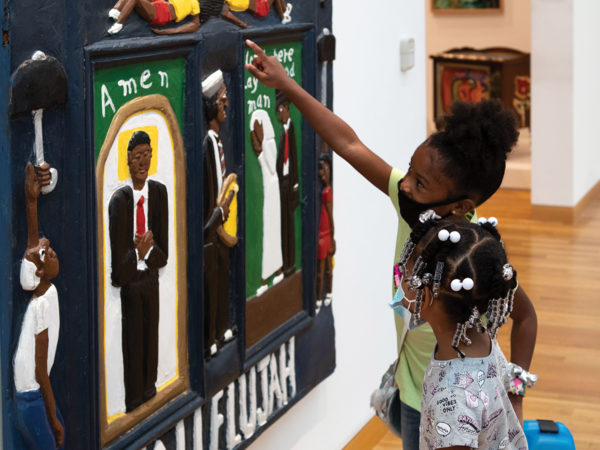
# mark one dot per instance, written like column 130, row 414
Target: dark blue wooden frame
column 76, row 37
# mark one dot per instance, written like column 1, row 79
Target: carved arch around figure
column 154, row 114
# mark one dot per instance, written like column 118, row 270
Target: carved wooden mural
column 189, row 207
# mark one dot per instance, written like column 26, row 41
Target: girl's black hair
column 473, row 143
column 479, row 255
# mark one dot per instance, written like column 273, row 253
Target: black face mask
column 410, row 209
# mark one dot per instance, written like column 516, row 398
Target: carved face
column 283, row 113
column 324, row 173
column 45, row 259
column 138, row 161
column 222, row 104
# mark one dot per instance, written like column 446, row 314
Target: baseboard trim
column 566, row 214
column 368, row 436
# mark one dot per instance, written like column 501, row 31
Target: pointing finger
column 259, row 51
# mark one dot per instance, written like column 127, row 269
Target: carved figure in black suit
column 216, row 253
column 139, row 243
column 287, row 171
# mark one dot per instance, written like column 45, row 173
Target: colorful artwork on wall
column 140, row 177
column 522, row 99
column 464, row 83
column 134, row 364
column 460, row 6
column 273, row 193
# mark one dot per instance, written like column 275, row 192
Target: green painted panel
column 258, row 96
column 115, row 86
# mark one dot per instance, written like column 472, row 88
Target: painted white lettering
column 216, row 420
column 274, row 386
column 180, row 435
column 284, row 373
column 262, row 412
column 106, row 100
column 247, row 423
column 144, row 79
column 164, row 79
column 231, row 438
column 291, row 367
column 252, row 84
column 198, row 429
column 129, row 86
column 284, row 55
column 251, row 106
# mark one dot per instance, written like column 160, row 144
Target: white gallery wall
column 586, row 98
column 386, row 108
column 565, row 93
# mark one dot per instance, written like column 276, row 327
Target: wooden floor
column 558, row 265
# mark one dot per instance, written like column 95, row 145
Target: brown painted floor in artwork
column 273, row 308
column 559, row 267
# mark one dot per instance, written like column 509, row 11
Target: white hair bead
column 481, row 220
column 443, row 235
column 456, row 285
column 493, row 221
column 454, row 237
column 467, row 284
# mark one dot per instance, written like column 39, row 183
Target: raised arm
column 33, row 185
column 333, row 130
column 522, row 339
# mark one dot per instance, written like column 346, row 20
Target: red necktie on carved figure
column 140, row 218
column 222, row 157
column 286, row 148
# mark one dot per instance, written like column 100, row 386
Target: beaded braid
column 435, row 247
column 499, row 309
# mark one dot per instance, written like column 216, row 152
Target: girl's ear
column 427, row 297
column 462, row 207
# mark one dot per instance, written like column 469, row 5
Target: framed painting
column 461, row 6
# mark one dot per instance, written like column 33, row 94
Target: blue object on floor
column 548, row 435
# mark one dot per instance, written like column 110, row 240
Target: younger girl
column 452, row 275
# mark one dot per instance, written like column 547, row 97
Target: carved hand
column 225, row 205
column 59, row 433
column 143, row 243
column 257, row 135
column 43, row 174
column 267, row 69
column 32, row 182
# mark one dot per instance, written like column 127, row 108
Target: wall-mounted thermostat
column 407, row 54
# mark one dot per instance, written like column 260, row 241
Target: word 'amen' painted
column 130, row 87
